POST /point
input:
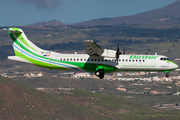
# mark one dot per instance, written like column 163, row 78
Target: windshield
column 164, row 58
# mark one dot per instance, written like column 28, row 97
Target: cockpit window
column 164, row 58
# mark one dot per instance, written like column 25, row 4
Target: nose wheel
column 167, row 75
column 100, row 73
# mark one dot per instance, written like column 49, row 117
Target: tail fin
column 21, row 43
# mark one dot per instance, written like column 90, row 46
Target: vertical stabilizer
column 21, row 43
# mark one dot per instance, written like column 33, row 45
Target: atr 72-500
column 97, row 59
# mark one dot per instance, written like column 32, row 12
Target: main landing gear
column 100, row 73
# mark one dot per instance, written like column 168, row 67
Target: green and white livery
column 97, row 60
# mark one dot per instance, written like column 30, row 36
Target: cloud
column 42, row 4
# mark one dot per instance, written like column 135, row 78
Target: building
column 82, row 75
column 156, row 78
column 39, row 75
column 29, row 75
column 154, row 92
column 120, row 89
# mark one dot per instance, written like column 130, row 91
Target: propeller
column 118, row 53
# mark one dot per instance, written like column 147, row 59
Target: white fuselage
column 125, row 63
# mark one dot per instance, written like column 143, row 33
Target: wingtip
column 88, row 41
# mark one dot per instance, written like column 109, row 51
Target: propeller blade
column 117, row 53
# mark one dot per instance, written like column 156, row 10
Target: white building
column 39, row 75
column 156, row 78
column 82, row 75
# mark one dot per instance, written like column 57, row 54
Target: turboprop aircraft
column 97, row 59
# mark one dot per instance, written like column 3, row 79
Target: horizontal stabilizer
column 15, row 30
column 16, row 58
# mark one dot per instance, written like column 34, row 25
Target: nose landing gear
column 167, row 74
column 100, row 73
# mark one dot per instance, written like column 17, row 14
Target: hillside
column 21, row 102
column 18, row 101
column 165, row 15
column 109, row 87
column 48, row 23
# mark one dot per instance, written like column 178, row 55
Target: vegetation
column 21, row 102
column 146, row 97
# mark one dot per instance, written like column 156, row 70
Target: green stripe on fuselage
column 170, row 62
column 41, row 63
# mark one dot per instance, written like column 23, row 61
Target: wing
column 92, row 48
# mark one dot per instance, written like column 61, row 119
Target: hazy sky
column 23, row 12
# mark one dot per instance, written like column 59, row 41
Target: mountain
column 48, row 23
column 165, row 15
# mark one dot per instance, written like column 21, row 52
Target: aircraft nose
column 175, row 66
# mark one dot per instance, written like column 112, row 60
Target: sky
column 25, row 12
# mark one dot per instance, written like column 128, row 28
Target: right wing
column 92, row 48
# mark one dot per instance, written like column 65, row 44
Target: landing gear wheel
column 101, row 76
column 100, row 73
column 167, row 75
column 97, row 73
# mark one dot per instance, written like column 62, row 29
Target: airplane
column 97, row 59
